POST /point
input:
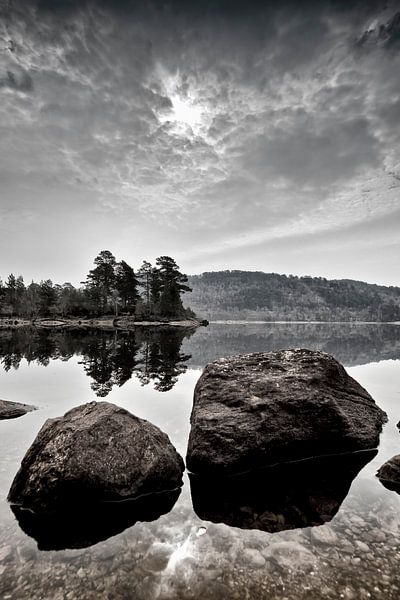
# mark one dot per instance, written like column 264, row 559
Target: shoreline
column 127, row 323
column 310, row 322
column 111, row 323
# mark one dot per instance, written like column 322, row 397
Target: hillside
column 255, row 296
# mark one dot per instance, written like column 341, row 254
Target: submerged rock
column 80, row 527
column 287, row 496
column 259, row 409
column 291, row 556
column 11, row 410
column 95, row 452
column 389, row 474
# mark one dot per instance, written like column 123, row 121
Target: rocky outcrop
column 11, row 410
column 288, row 496
column 95, row 452
column 259, row 409
column 389, row 474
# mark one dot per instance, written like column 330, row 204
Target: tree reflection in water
column 109, row 358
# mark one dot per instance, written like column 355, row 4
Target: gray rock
column 290, row 556
column 5, row 553
column 362, row 546
column 253, row 558
column 358, row 521
column 389, row 474
column 157, row 557
column 324, row 536
column 11, row 410
column 258, row 409
column 376, row 535
column 95, row 452
column 26, row 552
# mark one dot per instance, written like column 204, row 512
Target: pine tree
column 10, row 293
column 172, row 285
column 126, row 284
column 170, row 301
column 145, row 275
column 100, row 281
column 32, row 300
column 156, row 285
column 2, row 294
column 169, row 273
column 47, row 297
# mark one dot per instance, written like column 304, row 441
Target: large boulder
column 11, row 410
column 95, row 452
column 259, row 409
column 389, row 474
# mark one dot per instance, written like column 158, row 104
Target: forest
column 154, row 292
column 254, row 295
column 110, row 288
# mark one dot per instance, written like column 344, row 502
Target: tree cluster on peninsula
column 110, row 288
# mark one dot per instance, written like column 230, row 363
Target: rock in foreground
column 11, row 410
column 389, row 474
column 95, row 452
column 259, row 409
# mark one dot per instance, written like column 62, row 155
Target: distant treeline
column 111, row 287
column 251, row 295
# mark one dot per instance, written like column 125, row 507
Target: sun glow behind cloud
column 187, row 114
column 185, row 111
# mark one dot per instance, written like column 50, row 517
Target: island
column 113, row 295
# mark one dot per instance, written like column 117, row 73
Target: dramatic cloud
column 228, row 134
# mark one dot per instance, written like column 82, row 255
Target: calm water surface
column 254, row 542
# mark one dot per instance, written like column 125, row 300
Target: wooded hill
column 254, row 295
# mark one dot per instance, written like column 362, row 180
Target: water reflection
column 350, row 343
column 86, row 525
column 287, row 496
column 109, row 358
column 354, row 556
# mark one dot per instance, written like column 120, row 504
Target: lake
column 325, row 530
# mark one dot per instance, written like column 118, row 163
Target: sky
column 228, row 135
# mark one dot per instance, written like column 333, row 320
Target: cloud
column 315, row 153
column 381, row 33
column 21, row 81
column 210, row 124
